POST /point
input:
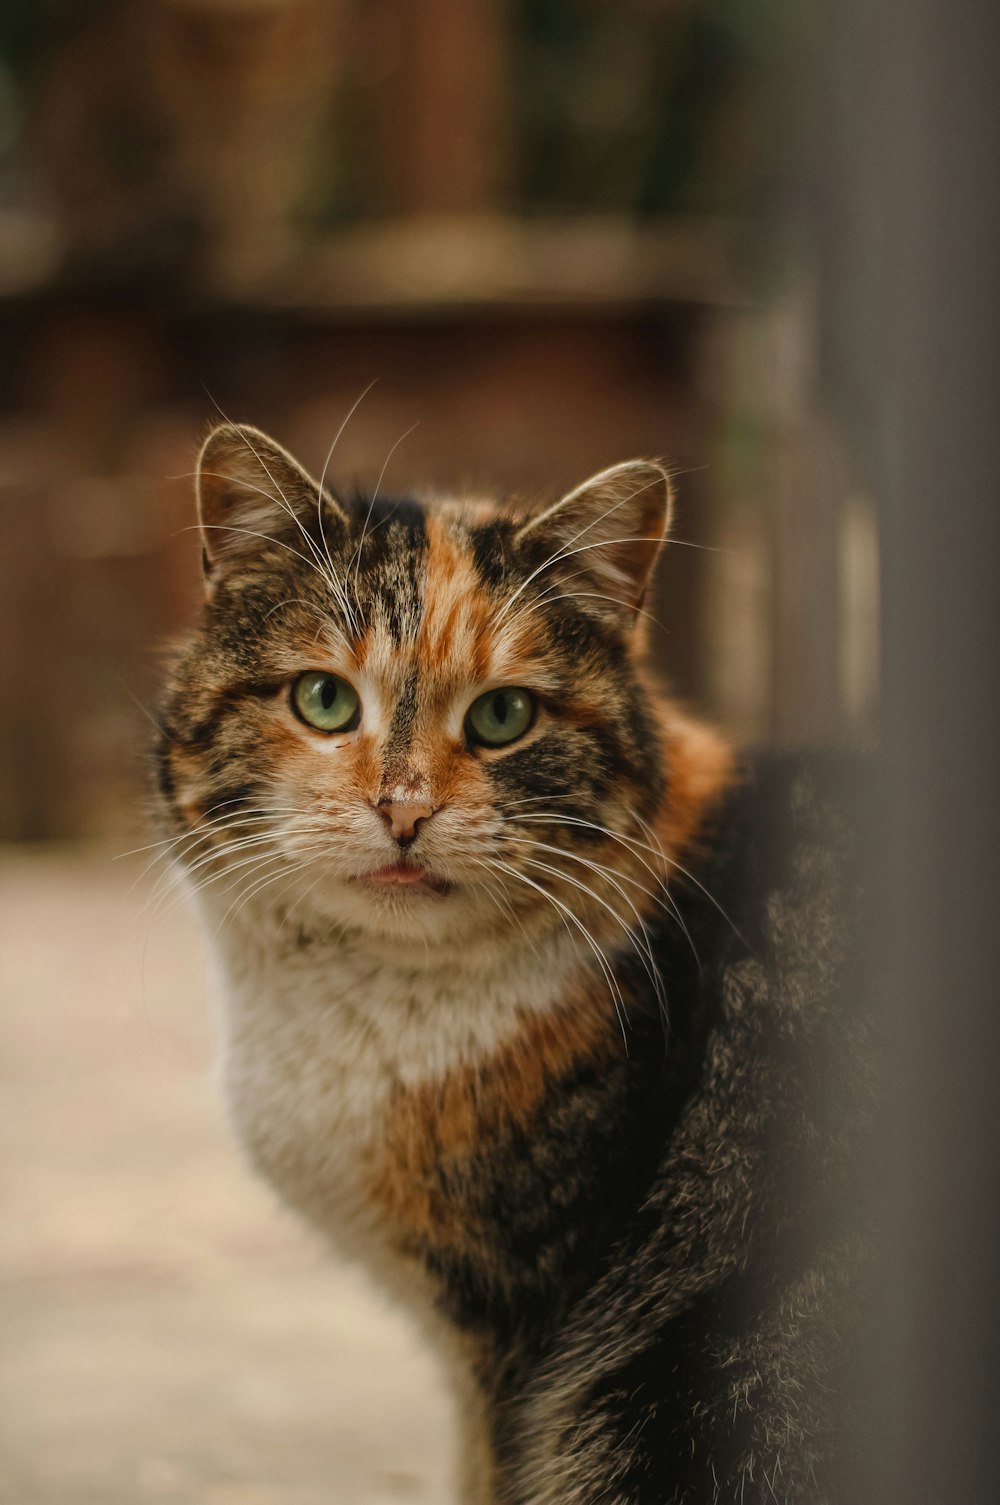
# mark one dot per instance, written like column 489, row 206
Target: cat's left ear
column 610, row 530
column 253, row 496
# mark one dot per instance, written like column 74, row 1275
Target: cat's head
column 417, row 721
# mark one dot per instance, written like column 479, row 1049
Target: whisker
column 210, row 823
column 178, row 882
column 644, row 954
column 564, row 553
column 609, row 873
column 602, row 960
column 172, row 848
column 556, row 817
column 320, row 491
column 356, row 557
column 288, row 871
column 336, row 438
column 253, row 533
column 547, row 599
column 505, row 906
column 643, row 825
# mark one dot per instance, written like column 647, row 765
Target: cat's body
column 566, row 1109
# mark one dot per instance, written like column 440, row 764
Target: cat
column 527, row 972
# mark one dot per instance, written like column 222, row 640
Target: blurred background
column 546, row 229
column 554, row 234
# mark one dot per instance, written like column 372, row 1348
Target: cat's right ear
column 251, row 496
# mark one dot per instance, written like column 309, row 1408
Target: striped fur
column 537, row 1095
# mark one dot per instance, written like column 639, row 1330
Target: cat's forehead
column 427, row 602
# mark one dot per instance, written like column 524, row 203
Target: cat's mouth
column 405, row 876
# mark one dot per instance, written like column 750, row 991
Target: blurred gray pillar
column 907, row 169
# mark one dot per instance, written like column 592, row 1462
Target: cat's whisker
column 210, row 823
column 173, row 848
column 238, row 811
column 269, row 538
column 640, row 611
column 223, row 854
column 238, row 871
column 530, row 799
column 644, row 825
column 299, row 601
column 179, row 883
column 181, row 836
column 322, row 565
column 607, row 872
column 546, row 595
column 321, row 491
column 557, row 817
column 499, row 897
column 174, row 879
column 287, row 871
column 560, row 818
column 356, row 557
column 602, row 960
column 272, row 868
column 604, row 543
column 257, row 877
column 337, row 436
column 643, row 951
column 564, row 552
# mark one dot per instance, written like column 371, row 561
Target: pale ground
column 166, row 1333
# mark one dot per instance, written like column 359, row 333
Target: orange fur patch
column 700, row 767
column 443, row 1123
column 456, row 611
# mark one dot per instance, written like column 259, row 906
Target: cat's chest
column 306, row 1070
column 325, row 1051
column 351, row 1083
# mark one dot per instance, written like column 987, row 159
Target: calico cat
column 527, row 977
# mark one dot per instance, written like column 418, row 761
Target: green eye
column 325, row 702
column 499, row 717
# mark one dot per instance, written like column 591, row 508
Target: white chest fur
column 318, row 1036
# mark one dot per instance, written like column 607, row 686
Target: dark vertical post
column 911, row 203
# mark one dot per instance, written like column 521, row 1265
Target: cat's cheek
column 315, row 773
column 183, row 776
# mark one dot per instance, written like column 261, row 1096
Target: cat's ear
column 252, row 495
column 608, row 532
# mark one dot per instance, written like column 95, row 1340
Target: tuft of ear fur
column 251, row 493
column 610, row 529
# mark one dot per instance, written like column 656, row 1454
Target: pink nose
column 403, row 819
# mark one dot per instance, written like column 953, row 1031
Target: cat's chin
column 389, row 907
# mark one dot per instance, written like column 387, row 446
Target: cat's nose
column 403, row 818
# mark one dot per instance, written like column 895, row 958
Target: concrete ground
column 167, row 1334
